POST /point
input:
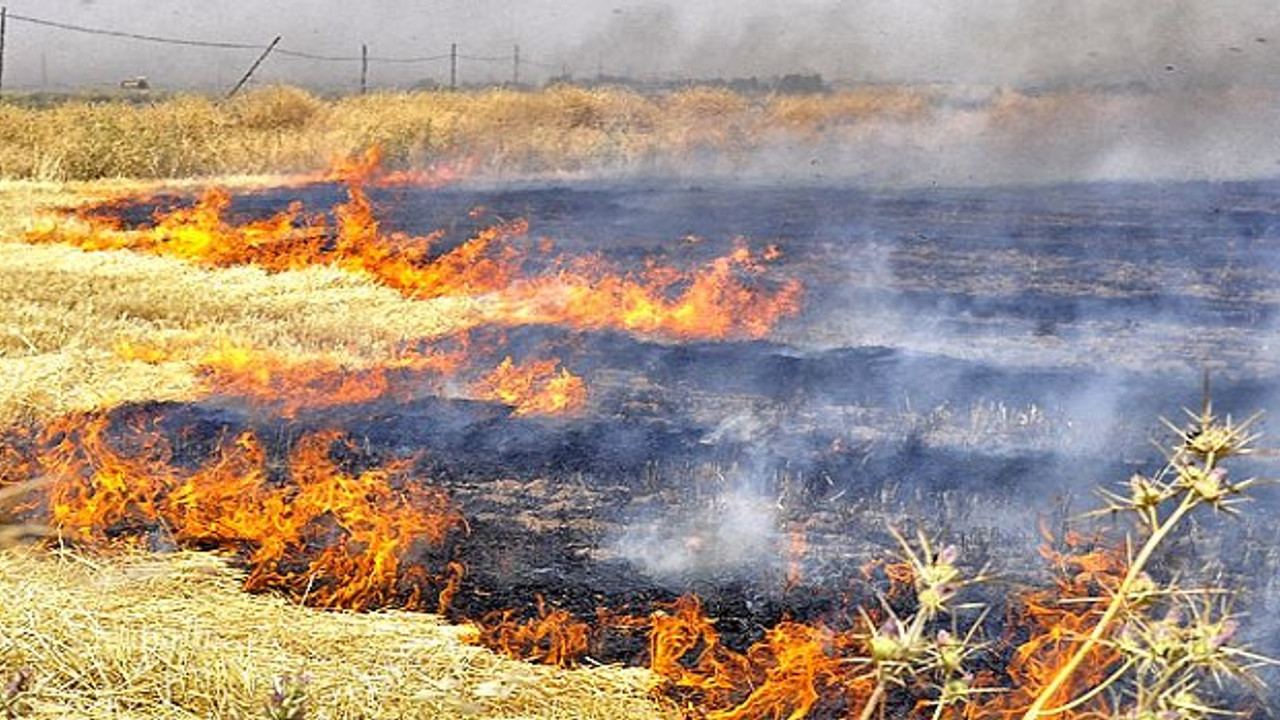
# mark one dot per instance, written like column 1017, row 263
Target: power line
column 298, row 54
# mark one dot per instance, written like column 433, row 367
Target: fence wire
column 519, row 60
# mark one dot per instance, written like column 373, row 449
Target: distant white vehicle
column 135, row 83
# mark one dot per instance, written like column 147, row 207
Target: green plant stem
column 1037, row 709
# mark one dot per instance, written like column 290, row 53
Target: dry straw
column 285, row 129
column 173, row 636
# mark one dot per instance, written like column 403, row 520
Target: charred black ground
column 973, row 359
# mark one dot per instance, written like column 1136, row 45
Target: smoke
column 1163, row 43
column 729, row 534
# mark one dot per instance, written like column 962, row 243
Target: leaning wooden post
column 253, row 67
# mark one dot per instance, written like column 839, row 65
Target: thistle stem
column 912, row 638
column 1037, row 709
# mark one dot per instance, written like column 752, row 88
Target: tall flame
column 1054, row 622
column 328, row 535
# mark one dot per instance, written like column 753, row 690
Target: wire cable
column 134, row 36
column 281, row 51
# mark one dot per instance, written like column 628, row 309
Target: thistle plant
column 14, row 700
column 1166, row 658
column 911, row 648
column 288, row 699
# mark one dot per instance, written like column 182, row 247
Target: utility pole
column 364, row 68
column 515, row 65
column 4, row 18
column 453, row 66
column 253, row 67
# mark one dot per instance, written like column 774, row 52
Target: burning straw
column 174, row 636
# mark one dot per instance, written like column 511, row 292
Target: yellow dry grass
column 173, row 636
column 285, row 129
column 66, row 314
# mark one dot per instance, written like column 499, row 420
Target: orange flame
column 555, row 637
column 368, row 169
column 331, row 537
column 714, row 302
column 533, row 389
column 724, row 299
column 787, row 674
column 1058, row 619
column 288, row 385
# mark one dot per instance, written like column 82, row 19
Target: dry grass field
column 69, row 317
column 174, row 636
column 285, row 129
column 98, row 631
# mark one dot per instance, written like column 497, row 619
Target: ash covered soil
column 975, row 360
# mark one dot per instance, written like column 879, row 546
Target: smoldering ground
column 979, row 356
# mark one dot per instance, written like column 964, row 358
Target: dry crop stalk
column 1193, row 477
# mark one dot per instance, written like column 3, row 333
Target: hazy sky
column 971, row 41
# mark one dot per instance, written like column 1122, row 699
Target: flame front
column 330, row 536
column 726, row 298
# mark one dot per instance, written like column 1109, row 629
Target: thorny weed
column 288, row 699
column 906, row 650
column 15, row 699
column 1164, row 660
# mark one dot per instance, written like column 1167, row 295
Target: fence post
column 4, row 19
column 253, row 67
column 515, row 65
column 364, row 68
column 453, row 66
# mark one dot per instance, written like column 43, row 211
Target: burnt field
column 973, row 362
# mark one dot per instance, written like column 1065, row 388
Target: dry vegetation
column 285, row 129
column 68, row 314
column 174, row 636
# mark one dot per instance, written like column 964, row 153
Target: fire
column 368, row 169
column 287, row 385
column 534, row 388
column 323, row 533
column 289, row 240
column 726, row 298
column 321, row 525
column 789, row 673
column 716, row 301
column 1057, row 620
column 555, row 637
